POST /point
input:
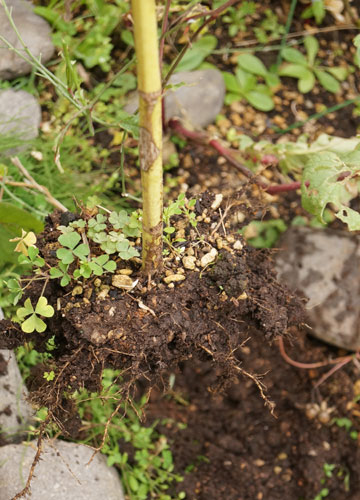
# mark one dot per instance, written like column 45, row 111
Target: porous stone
column 208, row 258
column 196, row 103
column 20, row 116
column 324, row 265
column 122, row 281
column 15, row 413
column 61, row 474
column 34, row 31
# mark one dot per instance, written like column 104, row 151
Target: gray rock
column 61, row 474
column 196, row 103
column 324, row 265
column 35, row 33
column 20, row 116
column 15, row 413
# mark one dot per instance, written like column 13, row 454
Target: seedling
column 244, row 84
column 306, row 68
column 316, row 10
column 33, row 322
column 236, row 17
column 73, row 249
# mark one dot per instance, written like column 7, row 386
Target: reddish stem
column 227, row 153
column 310, row 366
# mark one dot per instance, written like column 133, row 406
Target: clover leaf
column 33, row 322
column 61, row 272
column 70, row 241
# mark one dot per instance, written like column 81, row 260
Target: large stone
column 15, row 413
column 61, row 474
column 196, row 103
column 20, row 116
column 324, row 265
column 35, row 33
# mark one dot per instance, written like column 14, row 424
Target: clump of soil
column 207, row 314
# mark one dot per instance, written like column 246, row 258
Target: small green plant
column 346, row 424
column 34, row 322
column 263, row 234
column 269, row 28
column 235, row 16
column 198, row 52
column 307, row 68
column 315, row 10
column 329, row 472
column 149, row 470
column 179, row 207
column 244, row 84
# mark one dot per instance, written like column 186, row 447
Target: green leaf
column 294, row 71
column 232, row 84
column 339, row 72
column 321, row 172
column 65, row 280
column 197, row 53
column 43, row 308
column 56, row 273
column 22, row 312
column 327, row 81
column 110, row 266
column 69, row 240
column 33, row 323
column 81, row 251
column 65, row 255
column 312, row 48
column 307, row 83
column 294, row 56
column 259, row 100
column 246, row 80
column 252, row 64
column 318, row 10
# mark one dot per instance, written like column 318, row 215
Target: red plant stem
column 310, row 366
column 203, row 138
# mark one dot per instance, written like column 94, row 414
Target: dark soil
column 233, row 448
column 155, row 327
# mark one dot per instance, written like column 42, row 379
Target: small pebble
column 77, row 290
column 122, row 281
column 174, row 278
column 208, row 258
column 189, row 262
column 237, row 245
column 217, row 202
column 125, row 272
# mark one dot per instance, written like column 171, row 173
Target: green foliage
column 198, row 52
column 347, row 424
column 33, row 322
column 235, row 16
column 269, row 28
column 61, row 272
column 73, row 249
column 306, row 69
column 263, row 234
column 316, row 10
column 322, row 185
column 149, row 472
column 88, row 37
column 97, row 266
column 244, row 84
column 179, row 207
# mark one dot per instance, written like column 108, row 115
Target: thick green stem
column 149, row 86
